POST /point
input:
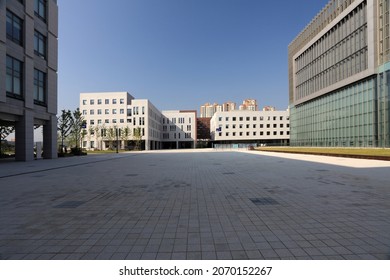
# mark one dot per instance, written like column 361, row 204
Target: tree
column 78, row 126
column 64, row 127
column 126, row 133
column 137, row 137
column 111, row 136
column 4, row 132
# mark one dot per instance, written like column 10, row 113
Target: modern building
column 269, row 108
column 114, row 118
column 339, row 74
column 28, row 73
column 249, row 104
column 251, row 127
column 179, row 129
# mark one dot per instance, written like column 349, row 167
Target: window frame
column 20, row 76
column 12, row 36
column 40, row 82
column 40, row 9
column 40, row 41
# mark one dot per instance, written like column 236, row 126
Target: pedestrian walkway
column 195, row 205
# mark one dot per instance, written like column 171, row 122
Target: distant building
column 229, row 106
column 269, row 108
column 260, row 127
column 249, row 105
column 207, row 110
column 28, row 73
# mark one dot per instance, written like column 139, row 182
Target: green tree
column 64, row 127
column 125, row 135
column 78, row 126
column 137, row 138
column 4, row 132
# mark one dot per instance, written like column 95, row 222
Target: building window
column 107, row 111
column 99, row 111
column 99, row 101
column 92, row 122
column 122, row 111
column 84, row 112
column 39, row 87
column 14, row 84
column 99, row 121
column 92, row 112
column 122, row 121
column 14, row 28
column 113, row 120
column 84, row 102
column 39, row 45
column 107, row 101
column 122, row 101
column 234, row 119
column 40, row 9
column 106, row 121
column 114, row 111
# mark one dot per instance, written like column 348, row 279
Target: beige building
column 113, row 118
column 249, row 104
column 208, row 110
column 28, row 73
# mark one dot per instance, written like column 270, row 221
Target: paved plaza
column 195, row 205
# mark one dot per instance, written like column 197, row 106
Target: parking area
column 195, row 204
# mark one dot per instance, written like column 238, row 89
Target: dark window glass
column 39, row 44
column 14, row 78
column 40, row 9
column 14, row 28
column 39, row 87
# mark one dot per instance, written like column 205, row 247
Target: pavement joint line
column 62, row 167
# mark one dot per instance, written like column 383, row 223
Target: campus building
column 251, row 127
column 28, row 73
column 113, row 119
column 339, row 74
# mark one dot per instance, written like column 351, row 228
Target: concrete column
column 24, row 137
column 50, row 138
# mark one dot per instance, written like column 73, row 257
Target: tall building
column 28, row 73
column 339, row 74
column 249, row 105
column 207, row 110
column 228, row 106
column 269, row 108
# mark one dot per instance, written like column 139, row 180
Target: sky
column 179, row 54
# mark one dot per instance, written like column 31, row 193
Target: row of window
column 254, row 133
column 14, row 81
column 177, row 136
column 241, row 126
column 261, row 118
column 141, row 121
column 174, row 127
column 106, row 101
column 173, row 120
column 14, row 27
column 106, row 111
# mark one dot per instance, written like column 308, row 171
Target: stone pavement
column 195, row 205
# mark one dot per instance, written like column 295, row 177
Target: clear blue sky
column 179, row 54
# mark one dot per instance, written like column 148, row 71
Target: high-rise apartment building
column 228, row 106
column 28, row 73
column 339, row 74
column 207, row 110
column 249, row 105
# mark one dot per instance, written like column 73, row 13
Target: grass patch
column 369, row 152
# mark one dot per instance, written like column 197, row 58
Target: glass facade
column 344, row 118
column 383, row 109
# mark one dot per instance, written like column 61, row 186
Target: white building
column 254, row 127
column 179, row 129
column 114, row 118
